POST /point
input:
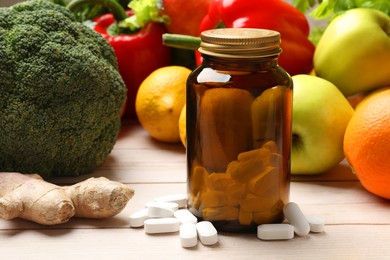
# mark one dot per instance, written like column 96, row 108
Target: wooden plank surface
column 357, row 222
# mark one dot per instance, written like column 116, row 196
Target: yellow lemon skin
column 160, row 100
column 182, row 126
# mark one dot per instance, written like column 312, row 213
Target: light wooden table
column 358, row 223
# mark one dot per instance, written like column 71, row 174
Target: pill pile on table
column 168, row 214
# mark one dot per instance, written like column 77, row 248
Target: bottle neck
column 240, row 63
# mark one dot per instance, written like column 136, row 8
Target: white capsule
column 188, row 235
column 317, row 224
column 207, row 233
column 180, row 199
column 161, row 225
column 137, row 219
column 185, row 216
column 169, row 205
column 295, row 217
column 159, row 212
column 275, row 231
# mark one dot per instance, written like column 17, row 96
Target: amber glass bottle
column 239, row 104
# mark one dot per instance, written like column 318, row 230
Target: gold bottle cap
column 240, row 43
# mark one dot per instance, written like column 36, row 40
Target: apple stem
column 296, row 141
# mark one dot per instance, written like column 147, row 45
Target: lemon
column 182, row 126
column 160, row 100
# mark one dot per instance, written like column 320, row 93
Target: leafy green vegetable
column 329, row 9
column 315, row 34
column 60, row 92
column 305, row 5
column 91, row 10
column 144, row 11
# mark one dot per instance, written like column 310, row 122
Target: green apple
column 319, row 119
column 354, row 51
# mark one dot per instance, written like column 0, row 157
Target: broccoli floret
column 60, row 92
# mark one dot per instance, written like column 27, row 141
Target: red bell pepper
column 278, row 15
column 185, row 15
column 138, row 52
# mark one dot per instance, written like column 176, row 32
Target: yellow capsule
column 219, row 181
column 231, row 166
column 246, row 170
column 232, row 201
column 213, row 198
column 220, row 213
column 195, row 200
column 272, row 215
column 271, row 146
column 236, row 190
column 276, row 160
column 263, row 181
column 198, row 181
column 245, row 217
column 247, row 155
column 253, row 203
column 262, row 154
column 263, row 217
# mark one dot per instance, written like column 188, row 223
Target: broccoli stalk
column 60, row 92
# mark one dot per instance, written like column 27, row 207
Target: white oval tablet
column 185, row 216
column 159, row 212
column 295, row 217
column 188, row 235
column 161, row 225
column 169, row 205
column 275, row 231
column 137, row 219
column 180, row 199
column 207, row 233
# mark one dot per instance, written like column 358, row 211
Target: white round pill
column 188, row 235
column 295, row 217
column 161, row 225
column 207, row 233
column 275, row 231
column 317, row 224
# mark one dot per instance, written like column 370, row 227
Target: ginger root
column 29, row 197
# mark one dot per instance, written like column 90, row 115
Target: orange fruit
column 367, row 145
column 160, row 100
